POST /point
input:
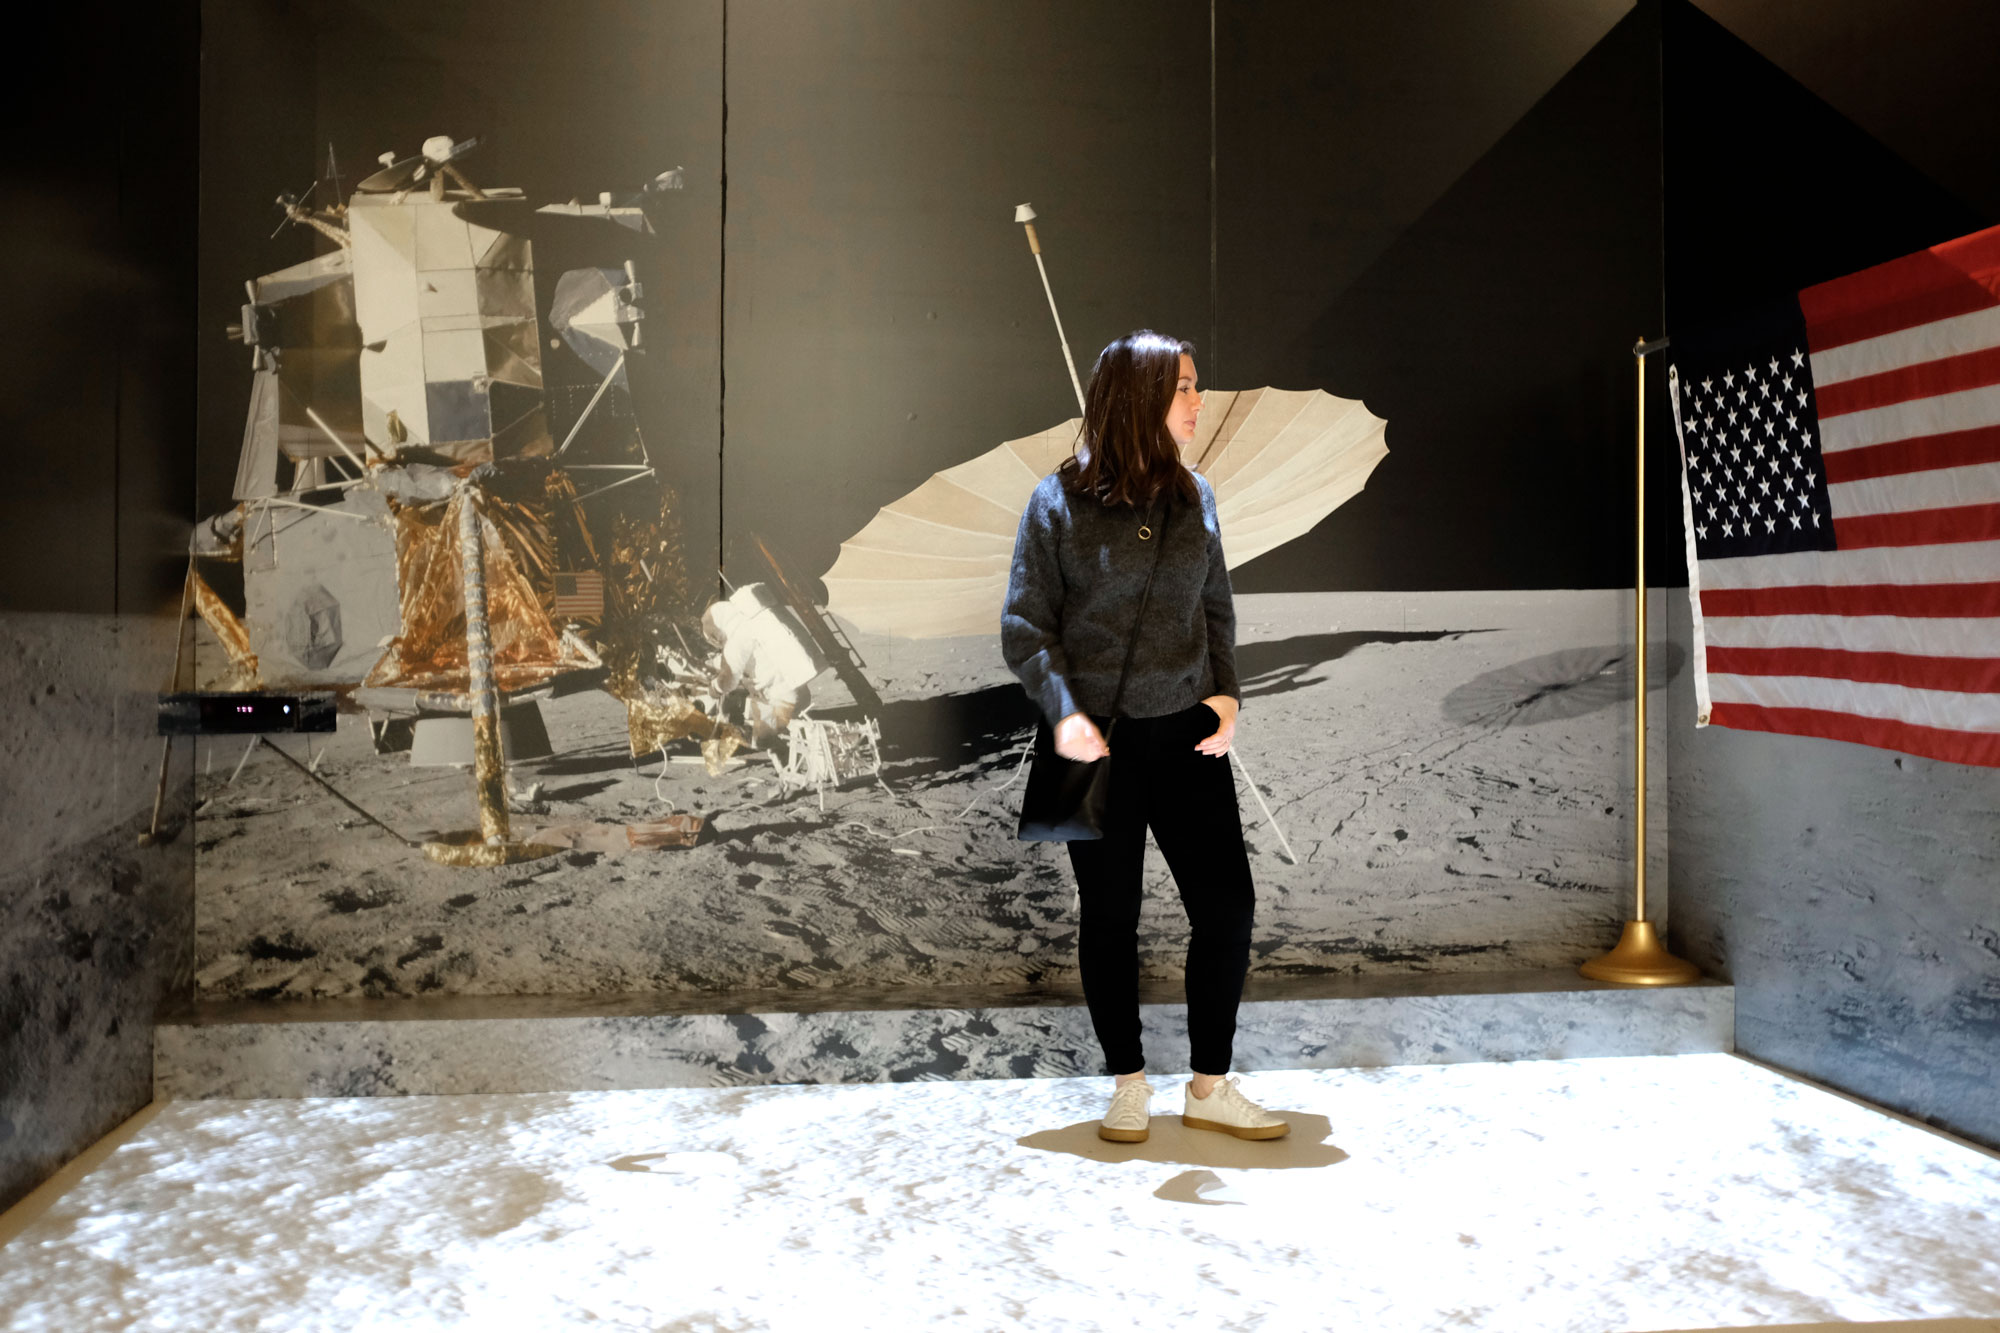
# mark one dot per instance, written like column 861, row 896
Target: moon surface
column 1452, row 773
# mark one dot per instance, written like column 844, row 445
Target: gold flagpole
column 1640, row 959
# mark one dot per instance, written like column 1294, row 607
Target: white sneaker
column 1126, row 1121
column 1228, row 1110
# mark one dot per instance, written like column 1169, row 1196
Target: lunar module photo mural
column 441, row 409
column 449, row 518
column 457, row 366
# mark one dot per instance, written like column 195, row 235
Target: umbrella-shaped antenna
column 1025, row 215
column 935, row 562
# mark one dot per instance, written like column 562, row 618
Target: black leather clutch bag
column 1065, row 800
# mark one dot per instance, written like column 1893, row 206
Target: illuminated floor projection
column 1451, row 771
column 1614, row 1194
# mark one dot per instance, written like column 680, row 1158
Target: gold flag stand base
column 471, row 851
column 1641, row 960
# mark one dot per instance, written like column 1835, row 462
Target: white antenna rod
column 1269, row 818
column 1025, row 214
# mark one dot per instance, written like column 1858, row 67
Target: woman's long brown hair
column 1124, row 455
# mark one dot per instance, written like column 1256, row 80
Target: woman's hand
column 1218, row 744
column 1078, row 738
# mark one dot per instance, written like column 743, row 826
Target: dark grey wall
column 885, row 319
column 1908, row 75
column 96, row 933
column 1340, row 126
column 1848, row 892
column 1482, row 302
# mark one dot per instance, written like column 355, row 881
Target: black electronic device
column 244, row 713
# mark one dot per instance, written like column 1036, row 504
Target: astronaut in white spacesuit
column 766, row 652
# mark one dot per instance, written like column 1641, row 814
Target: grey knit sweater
column 1079, row 567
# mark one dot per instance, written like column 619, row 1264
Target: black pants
column 1189, row 800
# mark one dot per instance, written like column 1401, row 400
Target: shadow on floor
column 944, row 733
column 1283, row 665
column 1173, row 1143
column 1558, row 686
column 923, row 738
column 613, row 758
column 578, row 791
column 1198, row 1187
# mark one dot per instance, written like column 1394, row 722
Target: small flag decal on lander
column 579, row 595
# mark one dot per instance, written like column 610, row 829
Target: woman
column 1088, row 542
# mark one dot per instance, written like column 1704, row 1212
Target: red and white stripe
column 1894, row 638
column 579, row 595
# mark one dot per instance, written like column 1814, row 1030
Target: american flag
column 1841, row 486
column 579, row 596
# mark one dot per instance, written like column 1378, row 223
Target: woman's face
column 1181, row 413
